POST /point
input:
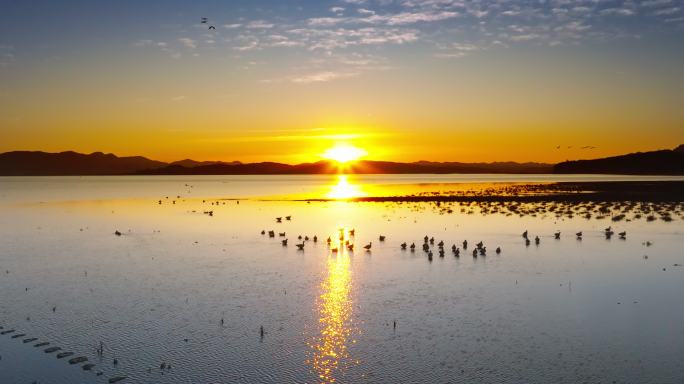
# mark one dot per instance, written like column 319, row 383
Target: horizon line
column 321, row 160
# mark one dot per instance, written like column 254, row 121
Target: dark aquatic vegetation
column 78, row 360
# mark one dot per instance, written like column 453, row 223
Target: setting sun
column 343, row 153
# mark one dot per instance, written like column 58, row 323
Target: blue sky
column 366, row 30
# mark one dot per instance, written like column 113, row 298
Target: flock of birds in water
column 345, row 240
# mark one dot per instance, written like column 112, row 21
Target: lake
column 192, row 284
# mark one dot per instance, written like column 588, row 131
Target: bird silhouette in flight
column 204, row 20
column 211, row 27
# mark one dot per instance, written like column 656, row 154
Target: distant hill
column 36, row 163
column 360, row 167
column 663, row 162
column 188, row 163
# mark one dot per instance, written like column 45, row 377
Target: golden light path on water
column 334, row 309
column 344, row 189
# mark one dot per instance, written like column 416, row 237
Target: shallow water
column 594, row 310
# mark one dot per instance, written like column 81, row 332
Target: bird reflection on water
column 329, row 348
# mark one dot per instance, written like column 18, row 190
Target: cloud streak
column 450, row 29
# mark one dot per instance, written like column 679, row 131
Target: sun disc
column 343, row 153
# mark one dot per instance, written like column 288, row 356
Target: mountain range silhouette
column 38, row 163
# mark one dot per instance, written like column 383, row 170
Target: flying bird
column 204, row 20
column 211, row 27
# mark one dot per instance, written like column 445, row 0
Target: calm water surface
column 565, row 311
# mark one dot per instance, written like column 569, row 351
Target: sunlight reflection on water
column 344, row 189
column 330, row 353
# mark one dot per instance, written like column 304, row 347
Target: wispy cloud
column 370, row 17
column 457, row 50
column 301, row 135
column 7, row 56
column 325, row 68
column 445, row 28
column 260, row 24
column 322, row 77
column 188, row 42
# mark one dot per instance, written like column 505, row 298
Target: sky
column 404, row 80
